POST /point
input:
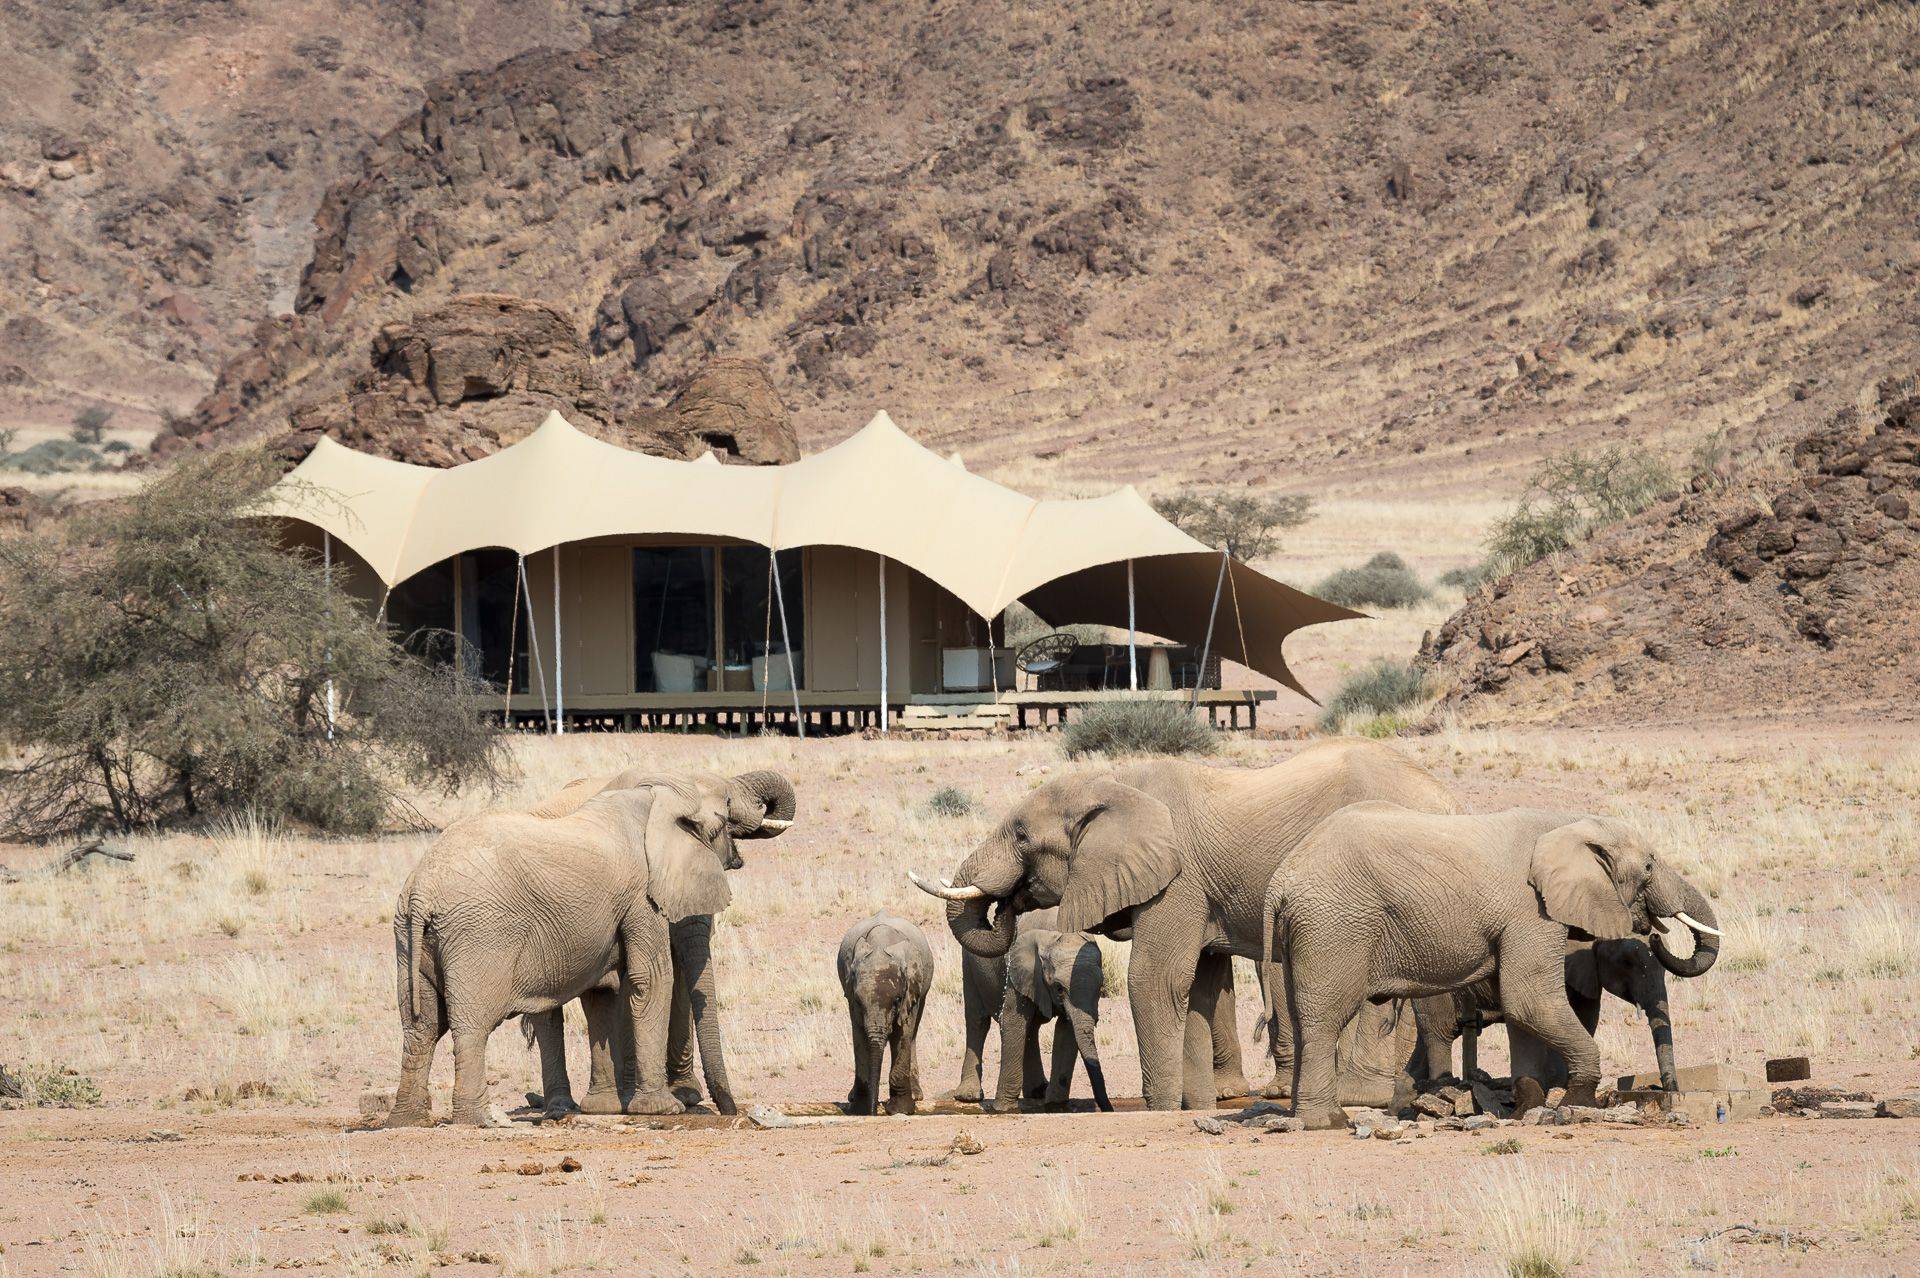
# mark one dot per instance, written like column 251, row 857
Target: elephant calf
column 1051, row 976
column 983, row 990
column 1381, row 901
column 886, row 969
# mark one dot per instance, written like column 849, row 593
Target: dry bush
column 1139, row 727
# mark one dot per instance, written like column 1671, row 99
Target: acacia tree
column 1246, row 526
column 163, row 658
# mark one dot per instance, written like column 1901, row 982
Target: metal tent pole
column 883, row 644
column 559, row 698
column 1133, row 657
column 799, row 720
column 539, row 675
column 1206, row 649
column 326, row 564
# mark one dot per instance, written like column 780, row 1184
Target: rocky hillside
column 1790, row 591
column 1394, row 244
column 161, row 162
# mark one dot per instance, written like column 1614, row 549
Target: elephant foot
column 554, row 1108
column 1054, row 1104
column 1278, row 1089
column 1231, row 1084
column 409, row 1117
column 969, row 1095
column 686, row 1093
column 900, row 1104
column 657, row 1101
column 1579, row 1094
column 602, row 1103
column 485, row 1117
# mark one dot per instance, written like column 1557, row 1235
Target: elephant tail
column 416, row 940
column 1270, row 963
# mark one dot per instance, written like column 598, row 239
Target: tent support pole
column 326, row 564
column 883, row 645
column 1206, row 649
column 559, row 701
column 1133, row 656
column 799, row 720
column 539, row 674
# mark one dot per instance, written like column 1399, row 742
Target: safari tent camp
column 594, row 584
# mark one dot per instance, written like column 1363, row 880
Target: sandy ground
column 232, row 998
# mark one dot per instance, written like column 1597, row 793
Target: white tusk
column 775, row 824
column 946, row 891
column 1698, row 926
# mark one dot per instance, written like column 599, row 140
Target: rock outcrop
column 463, row 380
column 1795, row 588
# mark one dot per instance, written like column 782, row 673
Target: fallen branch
column 67, row 862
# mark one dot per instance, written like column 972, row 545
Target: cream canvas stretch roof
column 877, row 490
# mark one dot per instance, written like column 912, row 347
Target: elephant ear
column 569, row 798
column 684, row 874
column 1123, row 855
column 1570, row 871
column 1583, row 972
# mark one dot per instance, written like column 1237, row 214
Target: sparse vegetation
column 53, row 457
column 1245, row 525
column 1570, row 497
column 1384, row 581
column 326, row 1202
column 1382, row 689
column 90, row 424
column 1139, row 727
column 1533, row 1222
column 51, row 1086
column 164, row 660
column 949, row 801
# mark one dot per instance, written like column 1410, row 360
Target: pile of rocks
column 1838, row 1102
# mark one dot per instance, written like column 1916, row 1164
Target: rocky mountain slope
column 161, row 162
column 1796, row 591
column 1388, row 245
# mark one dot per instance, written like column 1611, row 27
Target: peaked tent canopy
column 877, row 490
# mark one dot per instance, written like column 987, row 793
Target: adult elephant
column 759, row 805
column 1176, row 855
column 1381, row 901
column 514, row 913
column 1630, row 969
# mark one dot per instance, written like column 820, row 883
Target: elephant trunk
column 1673, row 895
column 693, row 956
column 996, row 870
column 1085, row 1024
column 760, row 804
column 1016, row 1028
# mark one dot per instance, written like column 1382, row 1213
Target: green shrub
column 1469, row 578
column 1244, row 525
column 52, row 1086
column 1383, row 688
column 950, row 802
column 327, row 1202
column 54, row 457
column 1572, row 496
column 90, row 424
column 163, row 660
column 1384, row 581
column 1140, row 727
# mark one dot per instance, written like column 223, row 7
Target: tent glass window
column 420, row 613
column 487, row 627
column 673, row 618
column 755, row 651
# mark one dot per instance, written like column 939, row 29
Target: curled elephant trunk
column 1674, row 897
column 979, row 911
column 978, row 935
column 760, row 805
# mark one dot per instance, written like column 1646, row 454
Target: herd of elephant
column 1383, row 918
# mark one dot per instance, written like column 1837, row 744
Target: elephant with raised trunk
column 1051, row 976
column 515, row 913
column 760, row 805
column 1384, row 902
column 1177, row 856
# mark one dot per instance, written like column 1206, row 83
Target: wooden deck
column 748, row 713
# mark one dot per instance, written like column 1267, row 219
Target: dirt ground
column 232, row 999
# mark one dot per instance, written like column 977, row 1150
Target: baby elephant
column 1051, row 976
column 886, row 970
column 1380, row 901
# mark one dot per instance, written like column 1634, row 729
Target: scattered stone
column 1848, row 1109
column 569, row 1164
column 1282, row 1123
column 1478, row 1122
column 1788, row 1069
column 1209, row 1126
column 1393, row 1129
column 965, row 1143
column 1810, row 1099
column 1905, row 1106
column 1527, row 1095
column 1556, row 1097
column 1362, row 1131
column 767, row 1118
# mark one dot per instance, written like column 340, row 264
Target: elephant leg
column 1533, row 992
column 646, row 949
column 693, row 963
column 861, row 1097
column 900, row 1070
column 1019, row 1038
column 1279, row 1021
column 1166, row 951
column 413, row 1100
column 609, row 1051
column 1316, row 1075
column 1211, row 1062
column 1530, row 1056
column 1438, row 1019
column 550, row 1037
column 912, row 1033
column 470, row 1071
column 978, row 987
column 1065, row 1054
